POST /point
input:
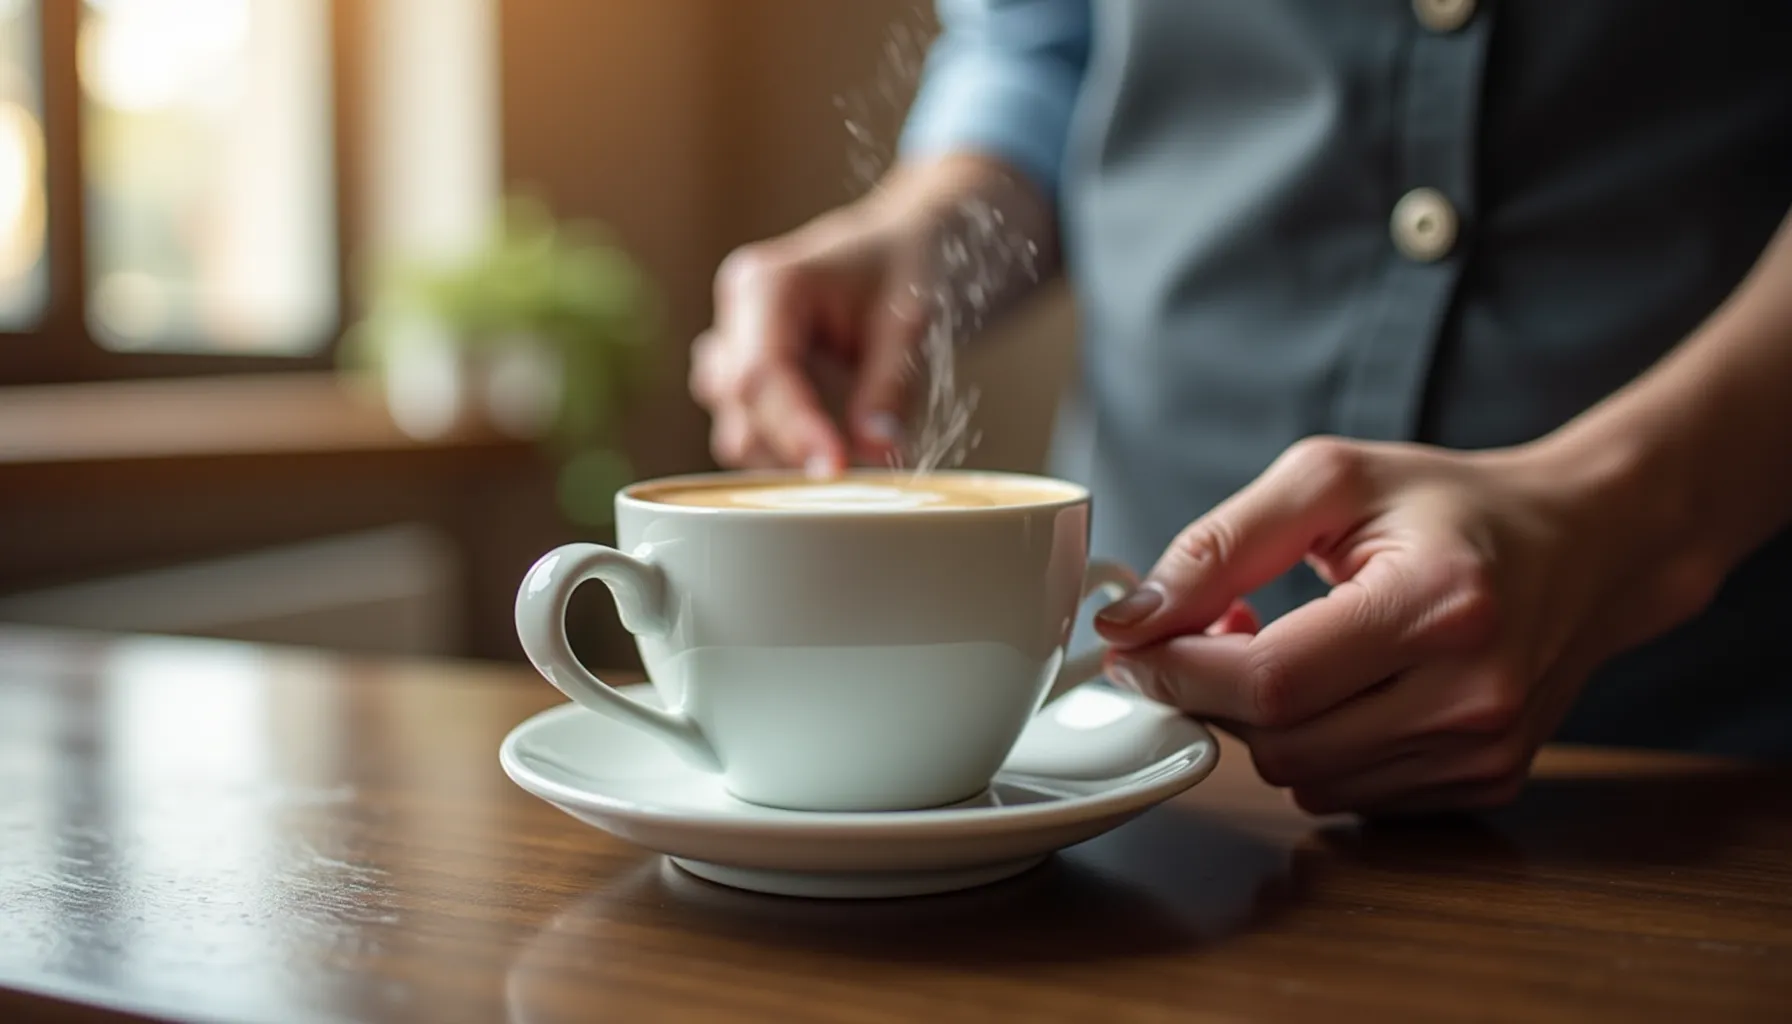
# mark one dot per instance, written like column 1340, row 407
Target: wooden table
column 193, row 829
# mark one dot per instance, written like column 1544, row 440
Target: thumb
column 892, row 338
column 1307, row 499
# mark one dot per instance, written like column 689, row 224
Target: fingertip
column 822, row 466
column 1119, row 637
column 1247, row 621
column 826, row 458
column 788, row 415
column 877, row 437
column 884, row 378
column 730, row 437
column 1133, row 611
column 881, row 427
column 1240, row 618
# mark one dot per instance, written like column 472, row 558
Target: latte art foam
column 838, row 498
column 875, row 492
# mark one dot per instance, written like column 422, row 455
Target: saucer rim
column 1199, row 756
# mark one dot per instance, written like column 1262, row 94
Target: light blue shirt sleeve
column 1002, row 79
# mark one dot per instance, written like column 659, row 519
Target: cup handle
column 639, row 588
column 1114, row 581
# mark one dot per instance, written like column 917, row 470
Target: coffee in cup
column 889, row 492
column 872, row 643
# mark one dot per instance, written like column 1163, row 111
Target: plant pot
column 435, row 382
column 517, row 379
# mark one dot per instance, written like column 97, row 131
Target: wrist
column 941, row 195
column 1635, row 493
column 978, row 236
column 1622, row 473
column 942, row 182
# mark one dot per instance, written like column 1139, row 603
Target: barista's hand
column 1471, row 595
column 855, row 285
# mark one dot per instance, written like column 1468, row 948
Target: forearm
column 984, row 144
column 982, row 219
column 1704, row 439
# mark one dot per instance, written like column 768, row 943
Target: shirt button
column 1443, row 15
column 1424, row 225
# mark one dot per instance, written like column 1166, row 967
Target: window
column 208, row 175
column 171, row 189
column 23, row 275
column 181, row 181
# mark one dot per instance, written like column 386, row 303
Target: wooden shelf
column 100, row 480
column 206, row 418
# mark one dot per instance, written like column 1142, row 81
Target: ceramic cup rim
column 633, row 496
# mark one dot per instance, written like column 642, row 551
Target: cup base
column 856, row 885
column 978, row 797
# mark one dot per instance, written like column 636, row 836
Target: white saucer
column 1089, row 762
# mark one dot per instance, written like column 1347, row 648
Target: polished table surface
column 201, row 830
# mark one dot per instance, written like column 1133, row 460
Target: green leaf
column 570, row 285
column 588, row 485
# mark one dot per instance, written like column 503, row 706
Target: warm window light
column 132, row 304
column 208, row 148
column 21, row 192
column 139, row 55
column 23, row 214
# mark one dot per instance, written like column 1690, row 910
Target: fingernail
column 882, row 427
column 1134, row 608
column 819, row 467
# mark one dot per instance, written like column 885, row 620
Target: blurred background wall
column 177, row 452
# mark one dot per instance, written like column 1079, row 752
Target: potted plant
column 541, row 331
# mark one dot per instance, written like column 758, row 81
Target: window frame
column 61, row 348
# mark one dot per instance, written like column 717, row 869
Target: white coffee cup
column 837, row 659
